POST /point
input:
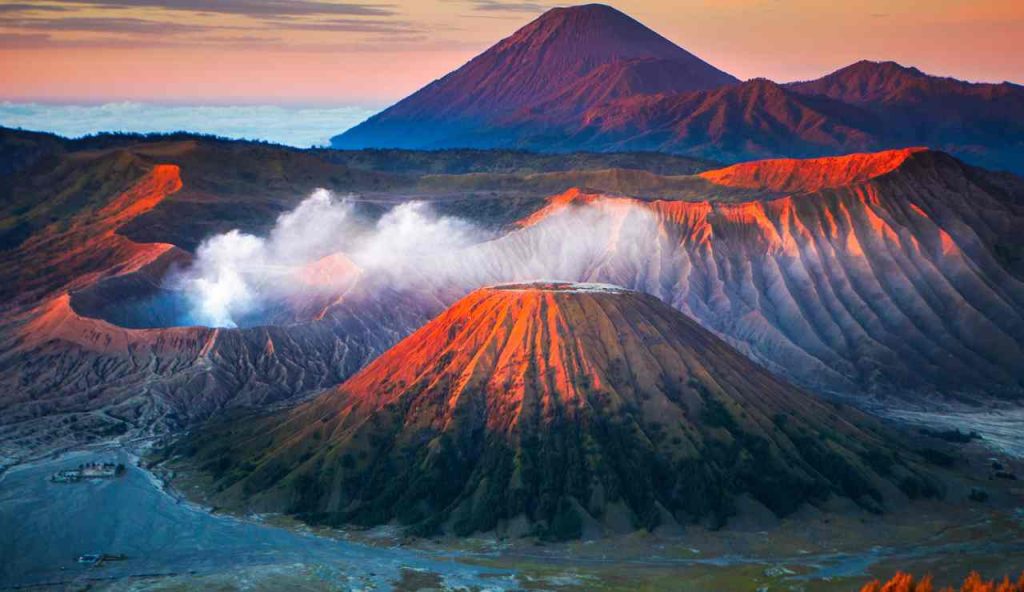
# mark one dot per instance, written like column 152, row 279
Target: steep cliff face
column 552, row 407
column 80, row 243
column 888, row 272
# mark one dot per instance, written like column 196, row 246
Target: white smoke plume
column 322, row 248
column 236, row 274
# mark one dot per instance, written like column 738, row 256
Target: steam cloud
column 237, row 274
column 322, row 249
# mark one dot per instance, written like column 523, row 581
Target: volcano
column 569, row 59
column 894, row 275
column 557, row 410
column 591, row 78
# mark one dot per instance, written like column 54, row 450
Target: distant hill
column 982, row 123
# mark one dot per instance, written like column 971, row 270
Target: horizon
column 312, row 53
column 308, row 126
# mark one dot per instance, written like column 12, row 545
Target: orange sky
column 372, row 52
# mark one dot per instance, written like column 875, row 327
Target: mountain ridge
column 606, row 83
column 869, row 81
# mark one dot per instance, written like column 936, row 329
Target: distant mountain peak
column 581, row 38
column 760, row 85
column 583, row 11
column 868, row 81
column 883, row 66
column 593, row 19
column 565, row 60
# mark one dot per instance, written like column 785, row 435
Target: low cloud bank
column 301, row 127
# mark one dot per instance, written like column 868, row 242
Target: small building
column 89, row 471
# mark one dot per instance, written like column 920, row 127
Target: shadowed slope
column 866, row 106
column 755, row 119
column 554, row 408
column 980, row 122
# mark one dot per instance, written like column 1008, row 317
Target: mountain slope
column 868, row 82
column 981, row 122
column 591, row 78
column 550, row 408
column 90, row 229
column 593, row 52
column 755, row 119
column 867, row 106
column 888, row 273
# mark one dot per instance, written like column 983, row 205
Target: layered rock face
column 891, row 272
column 553, row 408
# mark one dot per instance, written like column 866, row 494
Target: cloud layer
column 292, row 126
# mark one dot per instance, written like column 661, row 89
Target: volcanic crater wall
column 897, row 273
column 896, row 283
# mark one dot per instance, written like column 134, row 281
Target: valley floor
column 46, row 526
column 170, row 543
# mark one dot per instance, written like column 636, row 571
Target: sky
column 368, row 53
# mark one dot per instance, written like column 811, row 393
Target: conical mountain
column 579, row 50
column 555, row 409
